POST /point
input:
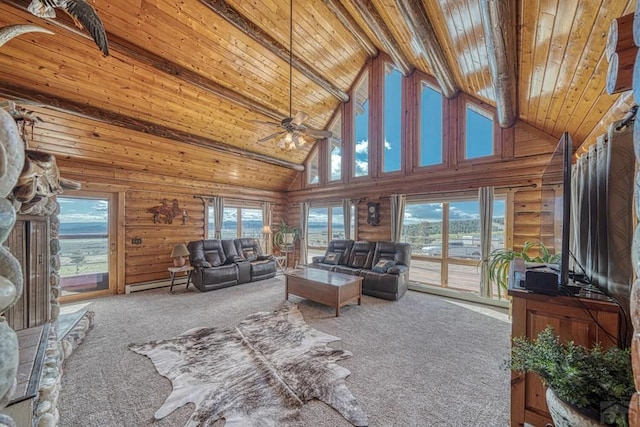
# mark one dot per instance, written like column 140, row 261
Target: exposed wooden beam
column 378, row 27
column 419, row 23
column 498, row 19
column 76, row 108
column 236, row 19
column 350, row 24
column 126, row 48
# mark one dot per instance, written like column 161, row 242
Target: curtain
column 398, row 203
column 218, row 213
column 602, row 185
column 266, row 221
column 346, row 212
column 485, row 199
column 304, row 225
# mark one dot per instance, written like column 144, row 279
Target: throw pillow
column 383, row 265
column 250, row 255
column 213, row 258
column 332, row 258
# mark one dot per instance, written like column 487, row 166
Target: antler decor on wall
column 166, row 213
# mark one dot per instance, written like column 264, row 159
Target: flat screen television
column 556, row 205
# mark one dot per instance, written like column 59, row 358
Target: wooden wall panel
column 149, row 260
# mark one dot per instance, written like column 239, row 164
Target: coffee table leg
column 286, row 289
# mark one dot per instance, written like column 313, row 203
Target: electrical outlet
column 136, row 241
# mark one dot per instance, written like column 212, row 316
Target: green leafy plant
column 579, row 376
column 280, row 231
column 500, row 259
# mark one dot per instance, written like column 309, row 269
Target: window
column 237, row 222
column 312, row 168
column 84, row 245
column 430, row 126
column 392, row 148
column 335, row 149
column 445, row 240
column 478, row 133
column 324, row 222
column 361, row 125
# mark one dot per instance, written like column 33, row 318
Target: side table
column 281, row 263
column 173, row 270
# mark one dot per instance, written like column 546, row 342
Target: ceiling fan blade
column 316, row 133
column 273, row 135
column 260, row 122
column 300, row 118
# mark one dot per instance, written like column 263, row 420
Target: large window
column 335, row 149
column 478, row 133
column 361, row 122
column 237, row 222
column 392, row 147
column 445, row 240
column 84, row 245
column 430, row 126
column 326, row 223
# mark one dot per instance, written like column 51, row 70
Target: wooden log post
column 620, row 35
column 620, row 74
column 621, row 52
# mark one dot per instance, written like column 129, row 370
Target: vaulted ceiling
column 201, row 71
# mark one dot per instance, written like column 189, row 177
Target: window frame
column 446, row 115
column 313, row 154
column 382, row 104
column 444, row 260
column 338, row 115
column 366, row 73
column 239, row 206
column 486, row 110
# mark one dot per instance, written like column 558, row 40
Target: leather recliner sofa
column 218, row 263
column 383, row 265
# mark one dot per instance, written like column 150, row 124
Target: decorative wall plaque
column 373, row 213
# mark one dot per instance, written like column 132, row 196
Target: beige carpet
column 420, row 361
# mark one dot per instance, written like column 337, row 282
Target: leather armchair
column 389, row 274
column 263, row 266
column 339, row 250
column 212, row 269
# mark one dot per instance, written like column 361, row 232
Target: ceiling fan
column 293, row 130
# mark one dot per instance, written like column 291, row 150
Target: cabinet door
column 29, row 243
column 38, row 290
column 17, row 316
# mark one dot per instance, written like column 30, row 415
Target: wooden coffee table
column 324, row 287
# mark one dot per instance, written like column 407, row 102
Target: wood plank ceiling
column 181, row 69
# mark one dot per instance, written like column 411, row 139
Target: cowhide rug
column 260, row 373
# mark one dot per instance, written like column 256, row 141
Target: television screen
column 555, row 210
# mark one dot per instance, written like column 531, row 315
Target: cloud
column 362, row 147
column 387, row 145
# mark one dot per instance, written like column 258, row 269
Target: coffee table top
column 323, row 276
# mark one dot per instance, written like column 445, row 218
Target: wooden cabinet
column 573, row 319
column 29, row 243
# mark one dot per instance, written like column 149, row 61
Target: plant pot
column 289, row 238
column 565, row 415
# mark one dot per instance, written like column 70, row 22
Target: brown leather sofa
column 384, row 266
column 222, row 263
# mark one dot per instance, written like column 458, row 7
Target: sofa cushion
column 249, row 255
column 332, row 258
column 213, row 258
column 383, row 265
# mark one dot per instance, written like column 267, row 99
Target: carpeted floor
column 420, row 361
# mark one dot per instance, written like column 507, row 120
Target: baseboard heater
column 143, row 286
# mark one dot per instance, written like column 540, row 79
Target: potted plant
column 500, row 259
column 285, row 235
column 585, row 387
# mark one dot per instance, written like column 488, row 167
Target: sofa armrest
column 318, row 259
column 200, row 264
column 397, row 269
column 234, row 259
column 265, row 257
